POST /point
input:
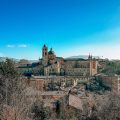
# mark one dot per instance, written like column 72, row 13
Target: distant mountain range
column 72, row 57
column 4, row 58
column 16, row 60
column 82, row 57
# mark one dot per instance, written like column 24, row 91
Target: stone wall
column 81, row 68
column 76, row 102
column 77, row 72
column 42, row 83
column 111, row 81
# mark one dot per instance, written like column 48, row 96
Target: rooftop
column 30, row 91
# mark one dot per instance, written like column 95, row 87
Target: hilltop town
column 59, row 59
column 55, row 88
column 53, row 65
column 68, row 85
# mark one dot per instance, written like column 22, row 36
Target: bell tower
column 44, row 52
column 45, row 55
column 90, row 62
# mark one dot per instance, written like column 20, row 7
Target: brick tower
column 45, row 55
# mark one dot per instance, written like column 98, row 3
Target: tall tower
column 90, row 62
column 45, row 55
column 93, row 65
column 90, row 57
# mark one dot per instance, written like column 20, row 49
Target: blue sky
column 71, row 27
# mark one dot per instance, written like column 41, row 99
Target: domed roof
column 51, row 52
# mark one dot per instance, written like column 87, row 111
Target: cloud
column 22, row 46
column 17, row 46
column 11, row 46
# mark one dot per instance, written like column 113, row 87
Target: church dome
column 51, row 52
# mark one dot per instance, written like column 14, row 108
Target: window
column 45, row 53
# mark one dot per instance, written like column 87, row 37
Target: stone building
column 81, row 67
column 82, row 101
column 50, row 64
column 23, row 62
column 48, row 83
column 71, row 67
column 112, row 82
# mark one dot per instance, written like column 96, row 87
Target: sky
column 70, row 27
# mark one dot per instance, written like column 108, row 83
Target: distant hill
column 4, row 58
column 82, row 57
column 16, row 60
column 33, row 61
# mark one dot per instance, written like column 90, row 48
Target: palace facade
column 54, row 65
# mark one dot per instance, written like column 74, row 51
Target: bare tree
column 40, row 112
column 12, row 92
column 111, row 108
column 107, row 107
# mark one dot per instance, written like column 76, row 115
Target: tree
column 107, row 107
column 111, row 67
column 111, row 107
column 12, row 91
column 40, row 112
